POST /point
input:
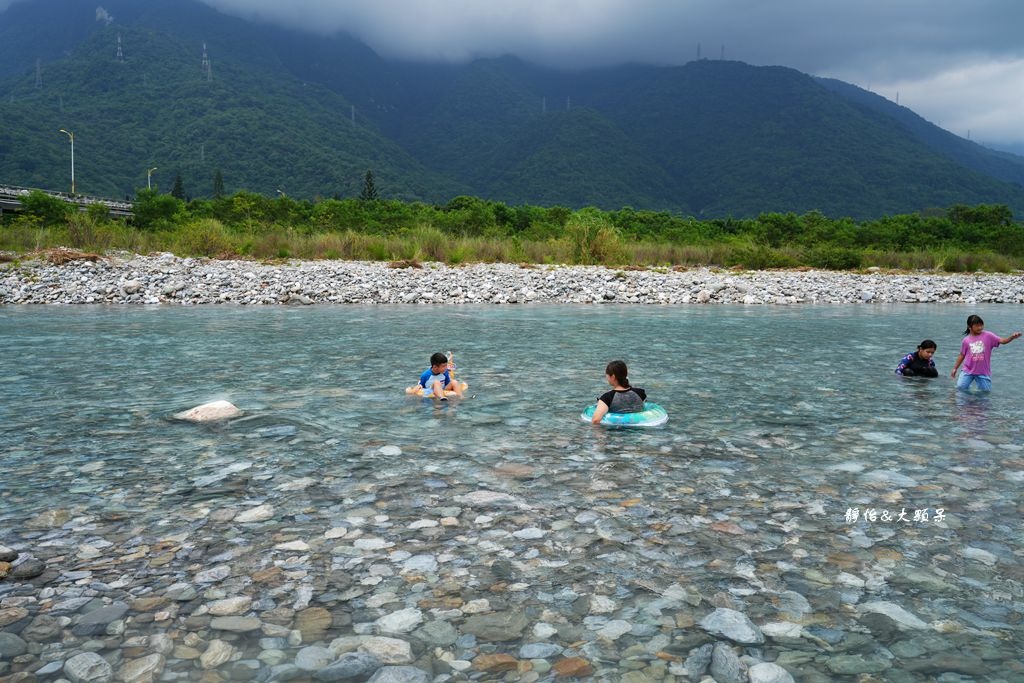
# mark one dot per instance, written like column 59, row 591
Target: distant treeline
column 470, row 229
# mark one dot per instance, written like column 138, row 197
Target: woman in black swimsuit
column 623, row 398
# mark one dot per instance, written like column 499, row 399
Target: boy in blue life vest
column 437, row 379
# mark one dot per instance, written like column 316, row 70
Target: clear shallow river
column 505, row 521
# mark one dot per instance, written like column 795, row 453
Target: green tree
column 51, row 210
column 982, row 214
column 153, row 210
column 218, row 185
column 467, row 216
column 369, row 192
column 178, row 191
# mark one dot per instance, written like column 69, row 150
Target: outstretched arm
column 956, row 365
column 1009, row 339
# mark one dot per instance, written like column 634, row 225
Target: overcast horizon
column 959, row 65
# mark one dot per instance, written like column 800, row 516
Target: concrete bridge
column 11, row 196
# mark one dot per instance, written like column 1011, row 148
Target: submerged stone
column 496, row 627
column 88, row 667
column 732, row 625
column 766, row 672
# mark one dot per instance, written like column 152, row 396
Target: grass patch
column 589, row 237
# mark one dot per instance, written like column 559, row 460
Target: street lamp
column 149, row 178
column 72, row 136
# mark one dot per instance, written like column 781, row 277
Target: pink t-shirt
column 978, row 352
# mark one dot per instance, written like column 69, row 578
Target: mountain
column 308, row 115
column 263, row 128
column 1002, row 165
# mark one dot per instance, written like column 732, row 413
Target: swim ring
column 417, row 390
column 652, row 415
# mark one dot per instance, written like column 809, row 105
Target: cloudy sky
column 958, row 63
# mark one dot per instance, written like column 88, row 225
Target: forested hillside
column 306, row 116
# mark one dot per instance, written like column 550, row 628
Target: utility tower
column 120, row 52
column 207, row 69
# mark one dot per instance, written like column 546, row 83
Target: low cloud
column 874, row 35
column 956, row 63
column 980, row 100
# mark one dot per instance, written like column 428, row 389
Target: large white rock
column 733, row 625
column 230, row 607
column 388, row 650
column 209, row 412
column 902, row 617
column 402, row 621
column 766, row 672
column 260, row 513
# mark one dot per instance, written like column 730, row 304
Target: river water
column 869, row 524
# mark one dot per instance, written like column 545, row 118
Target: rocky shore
column 164, row 278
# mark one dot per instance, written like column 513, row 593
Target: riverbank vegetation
column 469, row 229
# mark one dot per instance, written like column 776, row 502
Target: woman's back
column 629, row 400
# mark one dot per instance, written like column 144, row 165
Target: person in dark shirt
column 623, row 398
column 919, row 363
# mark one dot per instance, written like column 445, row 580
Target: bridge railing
column 16, row 193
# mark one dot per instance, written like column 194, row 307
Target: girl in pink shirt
column 976, row 355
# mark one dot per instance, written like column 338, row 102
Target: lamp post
column 72, row 136
column 149, row 178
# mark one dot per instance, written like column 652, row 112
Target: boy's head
column 438, row 362
column 926, row 349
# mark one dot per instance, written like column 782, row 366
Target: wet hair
column 971, row 321
column 618, row 370
column 438, row 359
column 927, row 344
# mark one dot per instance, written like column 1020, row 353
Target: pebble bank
column 167, row 279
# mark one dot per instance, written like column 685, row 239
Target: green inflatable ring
column 652, row 415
